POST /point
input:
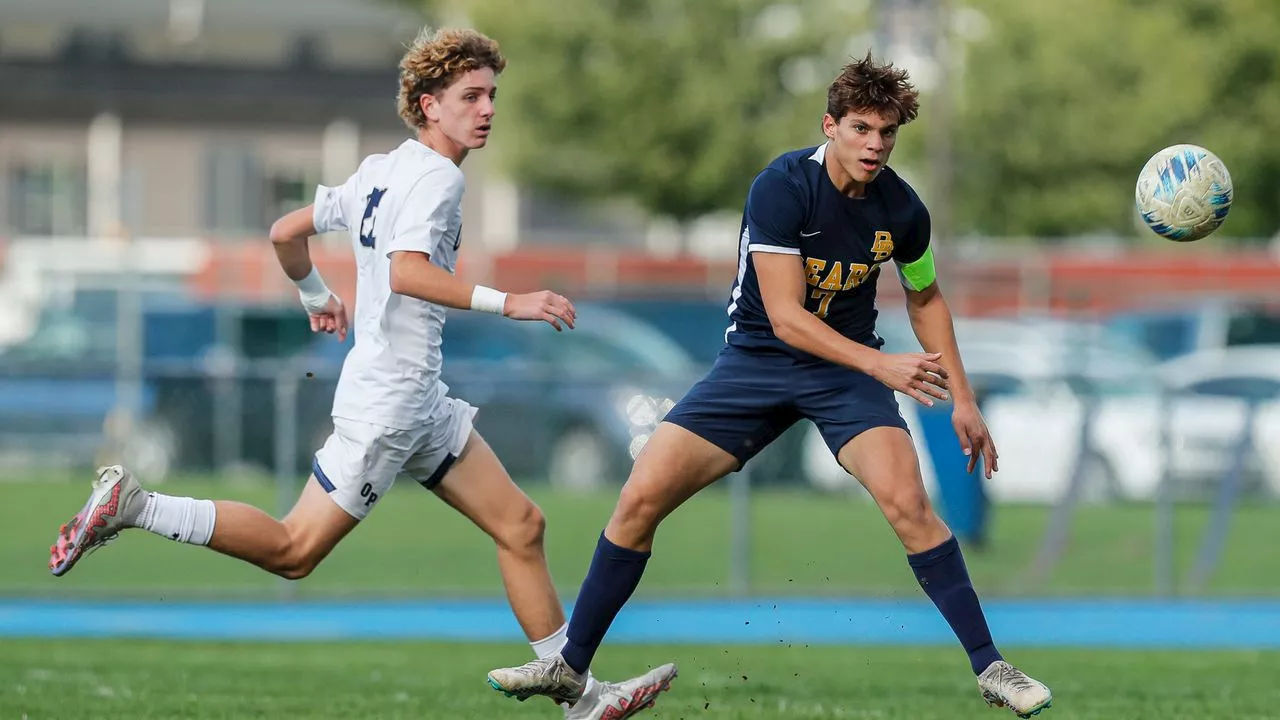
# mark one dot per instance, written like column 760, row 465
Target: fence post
column 1215, row 535
column 285, row 450
column 226, row 396
column 740, row 532
column 1054, row 544
column 1165, row 537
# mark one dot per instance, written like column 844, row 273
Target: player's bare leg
column 674, row 465
column 290, row 548
column 479, row 487
column 884, row 461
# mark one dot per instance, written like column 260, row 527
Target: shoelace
column 93, row 546
column 546, row 668
column 1016, row 679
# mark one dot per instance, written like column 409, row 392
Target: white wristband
column 313, row 292
column 486, row 299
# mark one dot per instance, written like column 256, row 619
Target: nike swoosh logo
column 815, row 232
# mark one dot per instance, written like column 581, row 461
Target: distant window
column 244, row 195
column 48, row 199
column 233, row 188
column 287, row 190
column 1253, row 328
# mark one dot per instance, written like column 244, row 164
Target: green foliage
column 675, row 104
column 1062, row 103
column 678, row 104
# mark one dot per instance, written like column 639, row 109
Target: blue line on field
column 1079, row 623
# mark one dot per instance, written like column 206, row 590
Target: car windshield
column 1244, row 387
column 605, row 339
column 1254, row 327
column 1086, row 368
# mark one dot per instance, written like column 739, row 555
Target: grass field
column 802, row 544
column 109, row 680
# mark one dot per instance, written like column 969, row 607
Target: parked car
column 64, row 388
column 1037, row 382
column 1207, row 325
column 61, row 391
column 1212, row 393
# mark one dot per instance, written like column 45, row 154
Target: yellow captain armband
column 918, row 275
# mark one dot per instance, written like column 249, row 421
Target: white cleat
column 551, row 677
column 115, row 504
column 616, row 701
column 1004, row 685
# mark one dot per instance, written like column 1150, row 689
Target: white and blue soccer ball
column 1184, row 193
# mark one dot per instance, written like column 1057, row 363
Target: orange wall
column 1059, row 282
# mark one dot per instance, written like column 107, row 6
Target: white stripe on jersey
column 775, row 249
column 744, row 242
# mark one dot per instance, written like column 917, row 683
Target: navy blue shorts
column 749, row 398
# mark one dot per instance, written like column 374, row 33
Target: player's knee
column 637, row 514
column 523, row 530
column 907, row 509
column 292, row 560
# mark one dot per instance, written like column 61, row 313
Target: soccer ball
column 1184, row 192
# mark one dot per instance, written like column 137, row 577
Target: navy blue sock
column 945, row 579
column 615, row 572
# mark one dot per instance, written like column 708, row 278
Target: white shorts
column 360, row 461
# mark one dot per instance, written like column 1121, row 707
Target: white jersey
column 408, row 199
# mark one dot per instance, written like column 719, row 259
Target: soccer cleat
column 551, row 677
column 1004, row 685
column 115, row 504
column 616, row 701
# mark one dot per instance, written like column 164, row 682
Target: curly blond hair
column 435, row 61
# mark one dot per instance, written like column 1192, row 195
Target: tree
column 1062, row 103
column 676, row 104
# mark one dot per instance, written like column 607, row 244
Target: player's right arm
column 782, row 287
column 412, row 274
column 775, row 216
column 418, row 232
column 289, row 237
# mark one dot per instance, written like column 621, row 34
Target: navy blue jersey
column 794, row 208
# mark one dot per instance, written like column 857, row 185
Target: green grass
column 802, row 544
column 107, row 680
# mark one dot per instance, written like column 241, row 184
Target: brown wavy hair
column 867, row 86
column 435, row 61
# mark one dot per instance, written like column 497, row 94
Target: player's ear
column 430, row 108
column 829, row 126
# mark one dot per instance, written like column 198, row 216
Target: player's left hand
column 974, row 437
column 543, row 305
column 333, row 319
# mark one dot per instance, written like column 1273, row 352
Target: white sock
column 184, row 519
column 551, row 644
